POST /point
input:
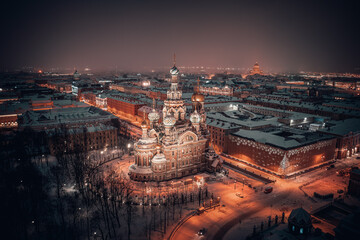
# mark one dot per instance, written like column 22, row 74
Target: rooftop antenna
column 174, row 59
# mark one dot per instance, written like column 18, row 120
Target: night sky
column 141, row 35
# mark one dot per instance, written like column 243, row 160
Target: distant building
column 216, row 89
column 256, row 70
column 76, row 75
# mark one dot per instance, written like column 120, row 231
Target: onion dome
column 169, row 121
column 195, row 117
column 159, row 158
column 154, row 116
column 197, row 97
column 174, row 70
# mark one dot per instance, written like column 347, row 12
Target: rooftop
column 285, row 138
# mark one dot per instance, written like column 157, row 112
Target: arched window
column 293, row 228
column 301, row 230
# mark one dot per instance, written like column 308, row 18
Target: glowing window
column 293, row 228
column 301, row 230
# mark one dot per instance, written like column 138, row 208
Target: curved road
column 219, row 221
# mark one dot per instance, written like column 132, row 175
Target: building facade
column 281, row 151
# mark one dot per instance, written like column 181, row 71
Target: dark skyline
column 143, row 35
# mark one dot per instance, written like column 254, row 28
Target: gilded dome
column 197, row 97
column 169, row 121
column 159, row 158
column 195, row 117
column 154, row 115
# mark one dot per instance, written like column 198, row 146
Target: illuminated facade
column 177, row 147
column 256, row 70
column 281, row 151
column 217, row 90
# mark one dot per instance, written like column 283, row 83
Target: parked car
column 268, row 189
column 239, row 195
column 330, row 167
column 202, row 231
column 200, row 210
column 340, row 173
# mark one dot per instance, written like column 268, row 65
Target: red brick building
column 124, row 106
column 84, row 139
column 347, row 133
column 281, row 151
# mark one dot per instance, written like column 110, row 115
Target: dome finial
column 174, row 59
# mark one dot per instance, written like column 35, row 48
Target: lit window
column 301, row 230
column 293, row 228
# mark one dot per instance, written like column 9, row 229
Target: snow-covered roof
column 284, row 138
column 342, row 128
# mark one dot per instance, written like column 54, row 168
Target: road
column 285, row 197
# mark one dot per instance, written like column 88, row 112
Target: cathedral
column 176, row 146
column 256, row 70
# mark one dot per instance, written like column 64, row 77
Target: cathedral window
column 173, row 164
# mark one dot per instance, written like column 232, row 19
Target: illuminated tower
column 174, row 105
column 76, row 75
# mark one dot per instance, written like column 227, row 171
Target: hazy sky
column 280, row 35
